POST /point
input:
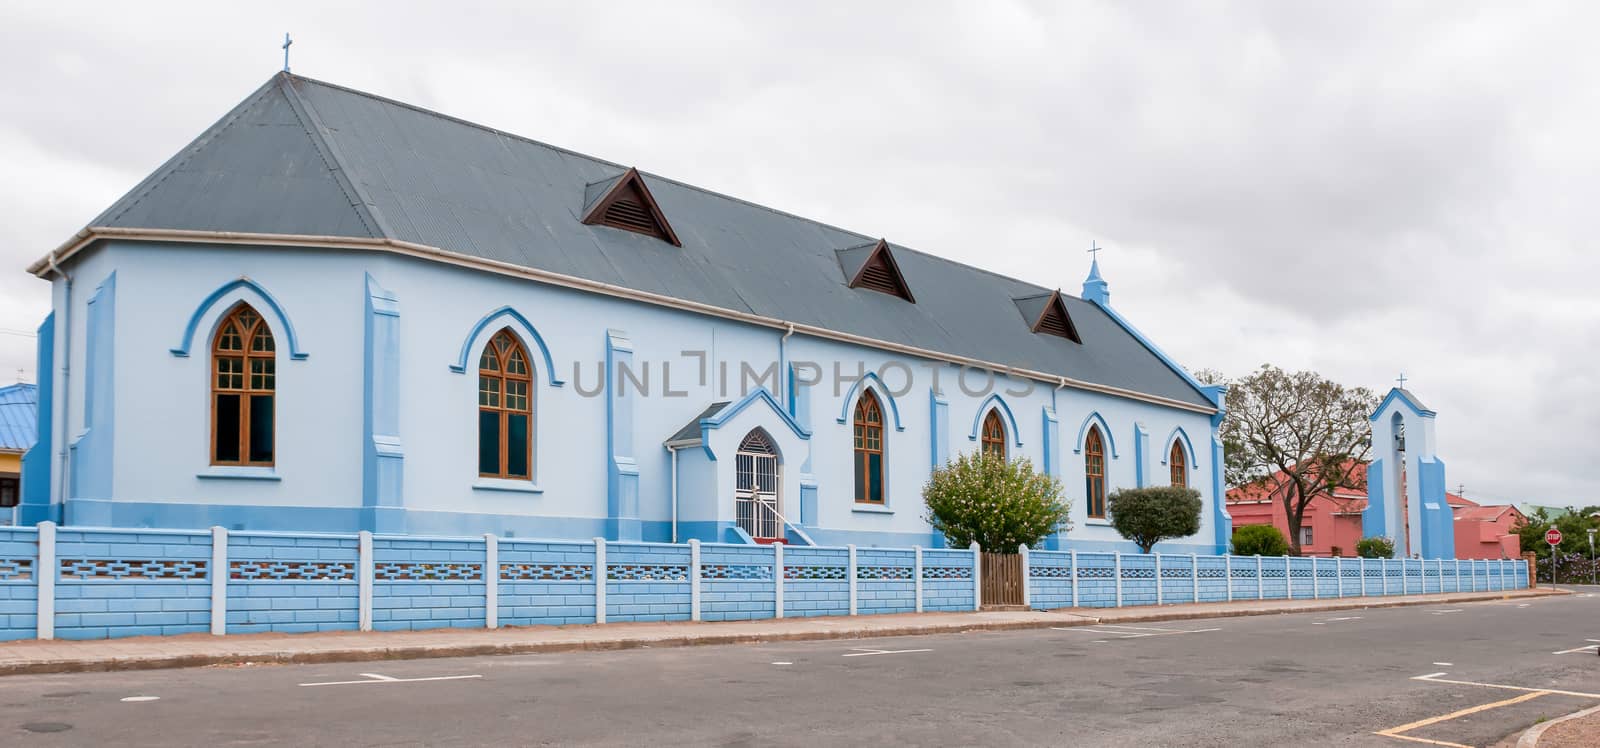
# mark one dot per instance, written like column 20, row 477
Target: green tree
column 1375, row 547
column 1259, row 540
column 1312, row 431
column 1000, row 504
column 1150, row 515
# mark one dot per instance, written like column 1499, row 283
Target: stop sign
column 1552, row 536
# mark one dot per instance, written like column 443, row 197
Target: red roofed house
column 1333, row 521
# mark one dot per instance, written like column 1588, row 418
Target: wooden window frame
column 511, row 344
column 863, row 429
column 1178, row 464
column 992, row 437
column 247, row 389
column 1094, row 473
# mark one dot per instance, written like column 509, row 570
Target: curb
column 369, row 654
column 1530, row 739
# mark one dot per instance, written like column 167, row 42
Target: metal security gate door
column 756, row 491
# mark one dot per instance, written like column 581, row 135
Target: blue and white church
column 334, row 312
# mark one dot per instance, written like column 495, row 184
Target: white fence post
column 977, row 579
column 1227, row 569
column 916, row 573
column 1116, row 571
column 1316, row 584
column 219, row 580
column 45, row 571
column 364, row 579
column 1160, row 597
column 1383, row 569
column 694, row 579
column 1260, row 586
column 600, row 577
column 1458, row 575
column 850, row 570
column 491, row 581
column 1338, row 573
column 777, row 580
column 1027, row 592
column 1194, row 576
column 1073, row 557
column 1288, row 578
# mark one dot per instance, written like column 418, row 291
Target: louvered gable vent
column 878, row 272
column 628, row 205
column 1047, row 315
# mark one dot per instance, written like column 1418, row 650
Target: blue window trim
column 1094, row 417
column 1188, row 447
column 996, row 402
column 265, row 299
column 878, row 389
column 528, row 331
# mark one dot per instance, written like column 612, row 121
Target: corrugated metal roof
column 305, row 157
column 19, row 416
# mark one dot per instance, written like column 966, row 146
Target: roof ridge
column 703, row 190
column 365, row 208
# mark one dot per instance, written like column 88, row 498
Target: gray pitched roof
column 690, row 433
column 304, row 157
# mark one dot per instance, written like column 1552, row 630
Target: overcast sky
column 1355, row 188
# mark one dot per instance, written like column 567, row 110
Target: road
column 1336, row 678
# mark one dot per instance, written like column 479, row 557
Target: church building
column 335, row 312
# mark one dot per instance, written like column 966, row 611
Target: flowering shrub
column 999, row 504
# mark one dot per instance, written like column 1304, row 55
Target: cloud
column 1356, row 189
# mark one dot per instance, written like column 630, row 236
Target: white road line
column 1318, row 623
column 1524, row 605
column 871, row 652
column 376, row 676
column 1434, row 678
column 1584, row 648
column 386, row 679
column 132, row 699
column 1445, row 664
column 783, row 663
column 1442, row 612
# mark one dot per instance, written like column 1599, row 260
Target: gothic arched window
column 505, row 409
column 993, row 440
column 243, row 388
column 869, row 449
column 1176, row 463
column 1094, row 473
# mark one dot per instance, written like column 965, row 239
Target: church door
column 756, row 488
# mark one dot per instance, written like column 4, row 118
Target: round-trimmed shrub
column 1375, row 547
column 999, row 504
column 1259, row 540
column 1150, row 515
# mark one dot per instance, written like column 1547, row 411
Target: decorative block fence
column 92, row 583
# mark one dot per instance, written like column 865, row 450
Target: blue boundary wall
column 98, row 583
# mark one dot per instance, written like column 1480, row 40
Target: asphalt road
column 1305, row 679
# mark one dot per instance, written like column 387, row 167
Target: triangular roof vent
column 1046, row 314
column 872, row 266
column 625, row 203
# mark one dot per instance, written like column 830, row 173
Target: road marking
column 142, row 698
column 1524, row 605
column 783, row 663
column 1137, row 632
column 375, row 678
column 1442, row 612
column 1394, row 732
column 1584, row 648
column 1335, row 620
column 1445, row 664
column 1434, row 678
column 870, row 652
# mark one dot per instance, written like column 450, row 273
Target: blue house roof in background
column 19, row 417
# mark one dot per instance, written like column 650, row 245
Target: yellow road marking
column 1394, row 732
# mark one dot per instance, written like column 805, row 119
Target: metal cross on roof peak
column 1093, row 250
column 1402, row 380
column 286, row 42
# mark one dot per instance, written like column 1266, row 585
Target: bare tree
column 1311, row 430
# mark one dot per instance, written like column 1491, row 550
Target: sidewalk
column 195, row 650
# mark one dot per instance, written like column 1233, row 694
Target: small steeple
column 1095, row 288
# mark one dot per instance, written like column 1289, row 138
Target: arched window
column 505, row 409
column 755, row 493
column 243, row 385
column 1177, row 463
column 1094, row 473
column 869, row 449
column 993, row 440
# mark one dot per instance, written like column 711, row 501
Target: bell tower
column 1405, row 480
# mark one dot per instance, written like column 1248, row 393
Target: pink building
column 1332, row 522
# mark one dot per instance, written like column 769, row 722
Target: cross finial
column 1093, row 250
column 1402, row 380
column 286, row 42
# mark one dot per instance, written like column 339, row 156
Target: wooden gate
column 1002, row 579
